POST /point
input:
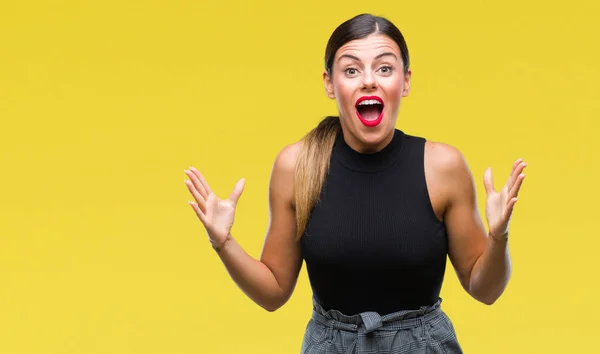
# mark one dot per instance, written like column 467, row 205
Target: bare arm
column 481, row 261
column 270, row 281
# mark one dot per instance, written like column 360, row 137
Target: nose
column 369, row 82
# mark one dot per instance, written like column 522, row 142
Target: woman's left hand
column 500, row 204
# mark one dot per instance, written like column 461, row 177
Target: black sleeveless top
column 373, row 241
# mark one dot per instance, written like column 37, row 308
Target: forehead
column 369, row 46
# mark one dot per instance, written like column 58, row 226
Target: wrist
column 501, row 238
column 218, row 246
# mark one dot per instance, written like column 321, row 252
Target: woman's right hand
column 216, row 215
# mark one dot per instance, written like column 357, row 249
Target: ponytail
column 312, row 167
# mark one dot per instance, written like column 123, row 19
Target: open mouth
column 370, row 110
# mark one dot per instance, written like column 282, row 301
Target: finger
column 237, row 191
column 201, row 179
column 515, row 164
column 509, row 208
column 198, row 212
column 199, row 199
column 514, row 192
column 197, row 184
column 515, row 174
column 488, row 181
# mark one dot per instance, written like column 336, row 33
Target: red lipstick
column 369, row 123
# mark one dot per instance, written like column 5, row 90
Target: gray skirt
column 427, row 330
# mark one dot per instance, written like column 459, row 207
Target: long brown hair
column 313, row 159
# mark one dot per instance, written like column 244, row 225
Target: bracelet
column 220, row 247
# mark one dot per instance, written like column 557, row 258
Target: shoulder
column 444, row 159
column 284, row 173
column 287, row 157
column 447, row 171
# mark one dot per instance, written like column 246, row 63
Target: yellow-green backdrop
column 103, row 104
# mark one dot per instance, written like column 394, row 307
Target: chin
column 374, row 136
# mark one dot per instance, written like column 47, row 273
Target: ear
column 328, row 85
column 406, row 89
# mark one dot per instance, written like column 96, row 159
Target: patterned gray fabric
column 427, row 330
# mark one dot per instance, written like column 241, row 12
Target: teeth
column 369, row 102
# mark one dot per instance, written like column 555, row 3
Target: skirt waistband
column 366, row 322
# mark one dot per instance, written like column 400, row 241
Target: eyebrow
column 357, row 59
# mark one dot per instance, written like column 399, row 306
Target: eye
column 386, row 69
column 351, row 71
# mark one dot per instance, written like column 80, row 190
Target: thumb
column 237, row 191
column 488, row 181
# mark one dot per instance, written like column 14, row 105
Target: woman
column 372, row 211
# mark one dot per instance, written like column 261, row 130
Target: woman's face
column 368, row 81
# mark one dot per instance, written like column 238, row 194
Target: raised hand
column 216, row 215
column 500, row 204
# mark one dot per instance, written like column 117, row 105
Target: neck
column 372, row 160
column 365, row 147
